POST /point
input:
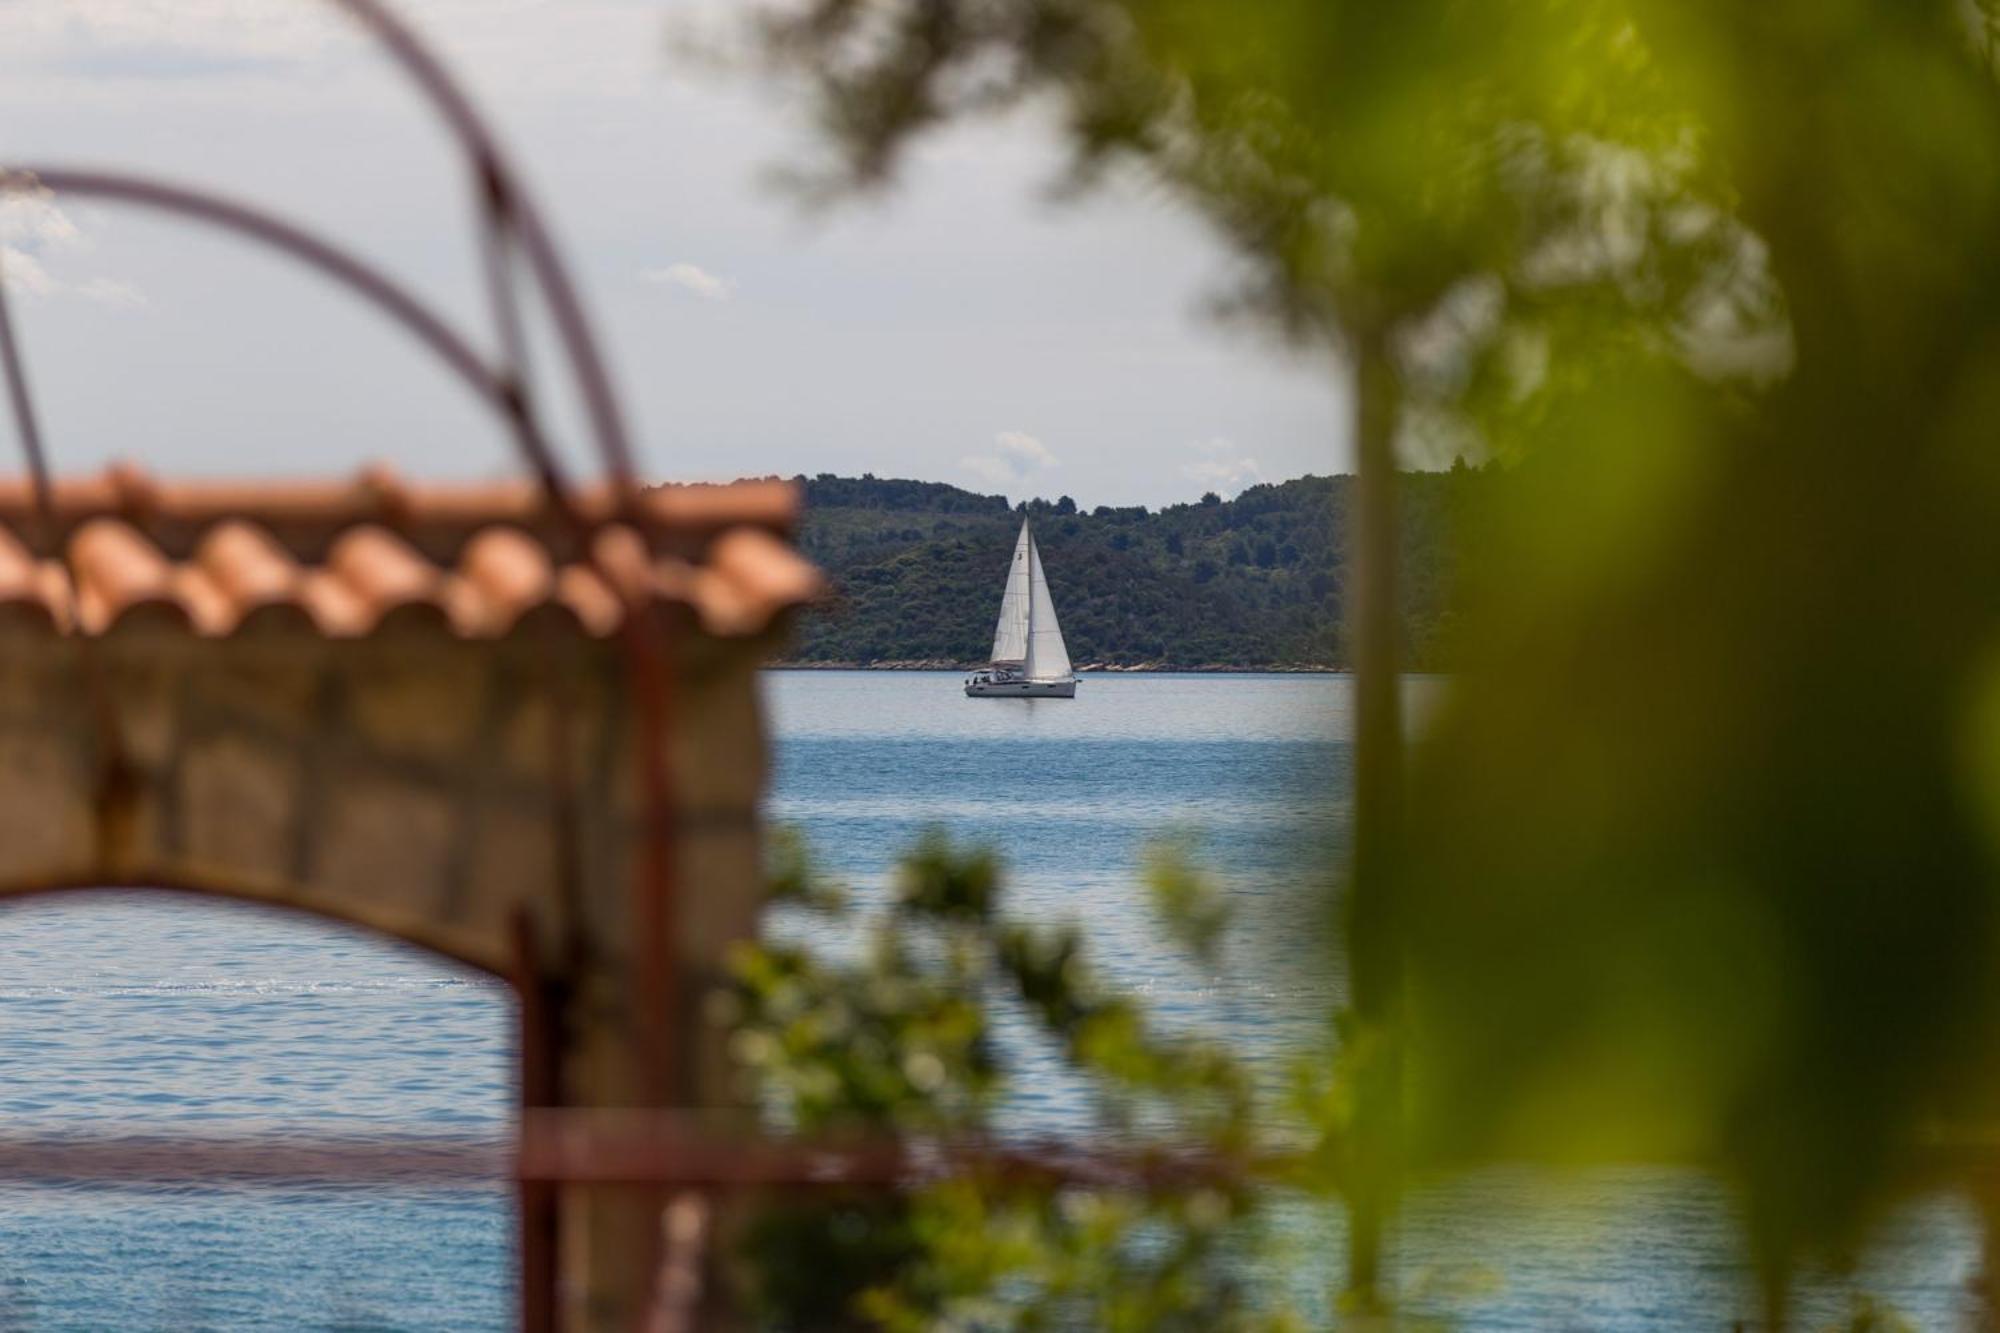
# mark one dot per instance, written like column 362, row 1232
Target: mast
column 1048, row 656
column 1010, row 635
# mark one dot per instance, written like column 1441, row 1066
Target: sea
column 160, row 1013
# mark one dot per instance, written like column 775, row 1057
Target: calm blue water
column 165, row 1013
column 170, row 1013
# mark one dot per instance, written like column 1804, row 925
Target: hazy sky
column 963, row 329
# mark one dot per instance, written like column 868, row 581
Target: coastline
column 1087, row 669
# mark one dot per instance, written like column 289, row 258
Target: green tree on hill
column 1250, row 582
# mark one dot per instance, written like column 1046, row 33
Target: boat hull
column 1020, row 689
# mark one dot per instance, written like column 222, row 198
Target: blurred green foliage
column 1701, row 859
column 1697, row 860
column 1870, row 1317
column 901, row 1039
column 1189, row 903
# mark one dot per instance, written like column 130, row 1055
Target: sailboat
column 1029, row 658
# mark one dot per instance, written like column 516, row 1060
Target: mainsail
column 1048, row 658
column 1010, row 636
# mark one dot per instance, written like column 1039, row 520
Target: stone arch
column 408, row 709
column 283, row 900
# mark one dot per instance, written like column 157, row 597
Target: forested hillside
column 1254, row 582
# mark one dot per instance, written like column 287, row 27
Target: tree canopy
column 1702, row 858
column 1252, row 582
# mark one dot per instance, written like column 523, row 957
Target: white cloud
column 31, row 217
column 1024, row 450
column 34, row 230
column 25, row 273
column 1015, row 457
column 1221, row 466
column 693, row 279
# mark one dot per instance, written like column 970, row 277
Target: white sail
column 1010, row 636
column 1048, row 657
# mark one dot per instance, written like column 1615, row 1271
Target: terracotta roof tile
column 26, row 594
column 589, row 597
column 119, row 573
column 349, row 558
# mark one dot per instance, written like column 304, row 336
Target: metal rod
column 26, row 424
column 558, row 289
column 538, row 1218
column 574, row 1147
column 496, row 251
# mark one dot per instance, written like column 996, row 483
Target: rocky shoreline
column 1086, row 668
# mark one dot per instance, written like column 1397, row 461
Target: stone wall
column 480, row 798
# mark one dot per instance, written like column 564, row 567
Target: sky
column 966, row 327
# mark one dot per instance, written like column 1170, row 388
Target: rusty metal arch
column 330, row 260
column 506, row 209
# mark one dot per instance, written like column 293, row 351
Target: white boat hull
column 1020, row 689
